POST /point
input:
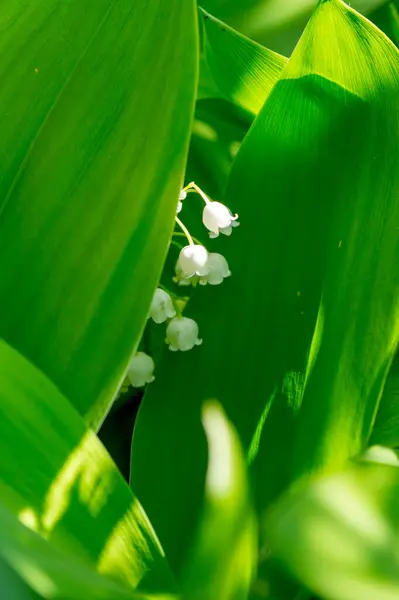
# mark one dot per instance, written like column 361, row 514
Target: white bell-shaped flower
column 192, row 261
column 182, row 196
column 182, row 334
column 162, row 307
column 218, row 219
column 141, row 370
column 218, row 269
column 182, row 280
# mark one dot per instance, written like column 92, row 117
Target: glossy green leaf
column 348, row 297
column 93, row 150
column 223, row 556
column 57, row 478
column 276, row 23
column 387, row 19
column 340, row 535
column 386, row 427
column 244, row 71
column 314, row 283
column 52, row 571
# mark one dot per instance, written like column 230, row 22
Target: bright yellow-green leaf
column 386, row 426
column 223, row 555
column 340, row 535
column 58, row 479
column 297, row 343
column 95, row 119
column 51, row 571
column 276, row 23
column 244, row 71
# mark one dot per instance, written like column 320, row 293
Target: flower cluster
column 195, row 265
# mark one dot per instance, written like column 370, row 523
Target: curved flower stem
column 185, row 230
column 194, row 186
column 177, row 233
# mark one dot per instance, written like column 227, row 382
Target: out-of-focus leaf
column 218, row 130
column 92, row 151
column 12, row 586
column 53, row 572
column 244, row 71
column 223, row 555
column 57, row 478
column 387, row 19
column 277, row 24
column 386, row 426
column 340, row 535
column 314, row 283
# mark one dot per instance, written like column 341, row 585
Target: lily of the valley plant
column 199, row 300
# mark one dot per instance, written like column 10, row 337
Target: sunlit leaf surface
column 244, row 71
column 92, row 151
column 276, row 23
column 297, row 343
column 57, row 478
column 340, row 535
column 222, row 559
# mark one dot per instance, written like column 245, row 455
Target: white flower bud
column 218, row 269
column 192, row 261
column 182, row 196
column 182, row 334
column 141, row 370
column 161, row 307
column 218, row 219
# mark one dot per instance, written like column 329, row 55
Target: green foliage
column 251, row 452
column 386, row 427
column 50, row 570
column 222, row 558
column 387, row 19
column 311, row 299
column 244, row 72
column 89, row 190
column 347, row 525
column 277, row 24
column 60, row 482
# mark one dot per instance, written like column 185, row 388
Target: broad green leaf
column 53, row 572
column 244, row 71
column 57, row 478
column 277, row 24
column 12, row 586
column 221, row 561
column 386, row 427
column 95, row 122
column 340, row 535
column 387, row 19
column 314, row 283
